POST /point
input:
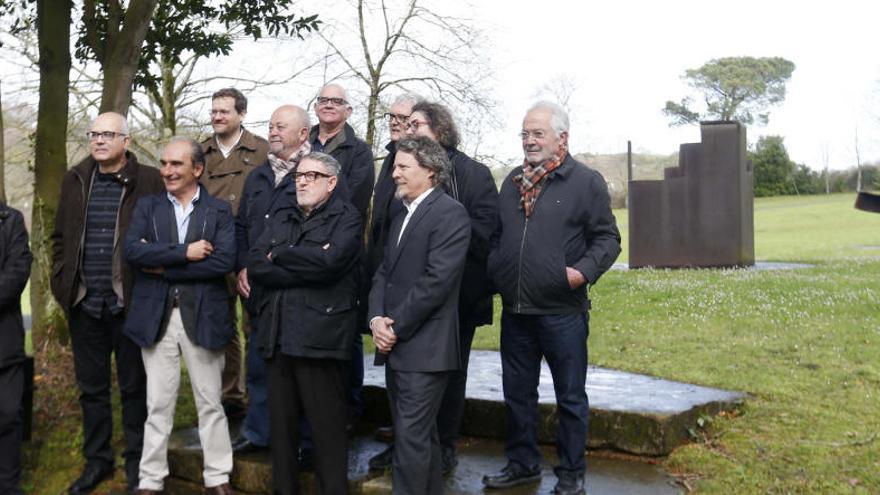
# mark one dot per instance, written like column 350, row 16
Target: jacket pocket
column 329, row 323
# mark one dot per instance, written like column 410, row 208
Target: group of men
column 148, row 265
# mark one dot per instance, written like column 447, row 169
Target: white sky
column 626, row 58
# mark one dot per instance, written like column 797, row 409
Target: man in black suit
column 414, row 310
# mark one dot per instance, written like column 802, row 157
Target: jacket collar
column 345, row 137
column 248, row 141
column 127, row 175
column 420, row 213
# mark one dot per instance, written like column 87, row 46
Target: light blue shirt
column 182, row 215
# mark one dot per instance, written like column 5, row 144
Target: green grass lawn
column 805, row 344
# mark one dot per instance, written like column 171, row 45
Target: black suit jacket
column 417, row 284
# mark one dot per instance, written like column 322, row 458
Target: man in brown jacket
column 231, row 154
column 93, row 285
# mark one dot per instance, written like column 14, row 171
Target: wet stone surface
column 477, row 457
column 634, row 413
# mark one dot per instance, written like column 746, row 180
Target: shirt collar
column 415, row 203
column 175, row 202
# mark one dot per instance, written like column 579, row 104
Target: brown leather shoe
column 223, row 489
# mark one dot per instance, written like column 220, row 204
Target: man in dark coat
column 557, row 237
column 305, row 264
column 183, row 244
column 471, row 184
column 15, row 267
column 92, row 284
column 414, row 310
column 263, row 190
column 231, row 154
column 334, row 136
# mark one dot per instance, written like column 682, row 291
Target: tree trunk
column 50, row 157
column 2, row 156
column 121, row 63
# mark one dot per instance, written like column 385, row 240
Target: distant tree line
column 776, row 174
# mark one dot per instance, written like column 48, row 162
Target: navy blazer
column 417, row 284
column 149, row 243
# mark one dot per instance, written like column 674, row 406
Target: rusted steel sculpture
column 701, row 214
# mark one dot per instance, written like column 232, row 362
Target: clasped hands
column 383, row 335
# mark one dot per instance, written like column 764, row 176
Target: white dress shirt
column 411, row 208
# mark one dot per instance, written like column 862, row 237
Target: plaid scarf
column 531, row 180
column 283, row 167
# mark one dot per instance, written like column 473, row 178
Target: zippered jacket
column 571, row 225
column 68, row 235
column 152, row 242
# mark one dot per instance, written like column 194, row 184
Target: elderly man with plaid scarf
column 557, row 237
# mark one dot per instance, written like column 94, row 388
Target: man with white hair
column 557, row 237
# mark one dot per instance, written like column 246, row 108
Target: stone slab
column 633, row 413
column 477, row 457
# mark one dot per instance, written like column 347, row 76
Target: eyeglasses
column 391, row 117
column 539, row 135
column 310, row 176
column 415, row 124
column 105, row 135
column 326, row 100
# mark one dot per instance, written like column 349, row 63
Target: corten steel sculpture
column 866, row 201
column 701, row 214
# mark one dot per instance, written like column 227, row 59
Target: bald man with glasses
column 93, row 284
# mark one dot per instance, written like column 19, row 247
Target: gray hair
column 328, row 162
column 411, row 99
column 341, row 88
column 428, row 154
column 196, row 153
column 558, row 115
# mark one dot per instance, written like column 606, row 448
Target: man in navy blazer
column 414, row 310
column 182, row 244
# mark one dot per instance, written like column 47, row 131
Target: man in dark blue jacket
column 15, row 267
column 305, row 265
column 557, row 237
column 183, row 244
column 288, row 143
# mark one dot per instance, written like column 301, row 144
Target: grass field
column 805, row 344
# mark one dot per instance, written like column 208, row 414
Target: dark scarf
column 532, row 179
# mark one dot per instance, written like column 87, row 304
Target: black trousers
column 11, row 389
column 317, row 388
column 94, row 341
column 415, row 401
column 452, row 406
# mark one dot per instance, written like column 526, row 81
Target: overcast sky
column 627, row 58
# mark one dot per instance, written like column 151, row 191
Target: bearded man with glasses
column 305, row 261
column 93, row 284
